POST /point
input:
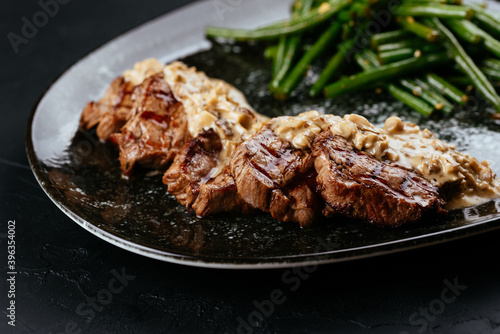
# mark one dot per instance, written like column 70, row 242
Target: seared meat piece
column 226, row 157
column 156, row 131
column 273, row 176
column 194, row 162
column 189, row 178
column 357, row 185
column 112, row 111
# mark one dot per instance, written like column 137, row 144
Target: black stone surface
column 66, row 279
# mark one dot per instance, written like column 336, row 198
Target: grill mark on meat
column 377, row 171
column 149, row 126
column 194, row 162
column 405, row 184
column 124, row 94
column 189, row 178
column 384, row 194
column 146, row 122
column 157, row 130
column 263, row 172
column 161, row 119
column 274, row 177
column 354, row 156
column 112, row 111
column 167, row 97
column 271, row 156
column 349, row 162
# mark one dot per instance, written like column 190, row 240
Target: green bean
column 363, row 62
column 463, row 29
column 492, row 63
column 344, row 16
column 414, row 102
column 415, row 2
column 460, row 80
column 468, row 27
column 438, row 102
column 354, row 11
column 299, row 7
column 427, row 48
column 346, row 31
column 492, row 45
column 418, row 92
column 384, row 72
column 359, row 10
column 271, row 51
column 371, row 57
column 395, row 46
column 492, row 22
column 421, row 105
column 294, row 25
column 491, row 73
column 387, row 37
column 302, row 7
column 451, row 2
column 435, row 10
column 447, row 88
column 280, row 55
column 387, row 57
column 447, row 107
column 290, row 50
column 398, row 93
column 297, row 73
column 331, row 68
column 419, row 29
column 418, row 44
column 367, row 2
column 291, row 47
column 467, row 65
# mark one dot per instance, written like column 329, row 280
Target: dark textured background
column 61, row 267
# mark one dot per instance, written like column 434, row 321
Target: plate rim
column 288, row 261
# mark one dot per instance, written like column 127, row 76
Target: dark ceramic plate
column 82, row 177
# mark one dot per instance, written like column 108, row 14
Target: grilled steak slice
column 357, row 185
column 273, row 176
column 156, row 131
column 189, row 178
column 112, row 111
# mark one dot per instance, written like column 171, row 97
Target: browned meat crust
column 146, row 122
column 357, row 185
column 274, row 177
column 157, row 130
column 189, row 179
column 149, row 127
column 112, row 111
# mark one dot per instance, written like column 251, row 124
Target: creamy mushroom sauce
column 208, row 103
column 214, row 104
column 469, row 181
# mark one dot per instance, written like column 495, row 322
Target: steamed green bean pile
column 429, row 54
